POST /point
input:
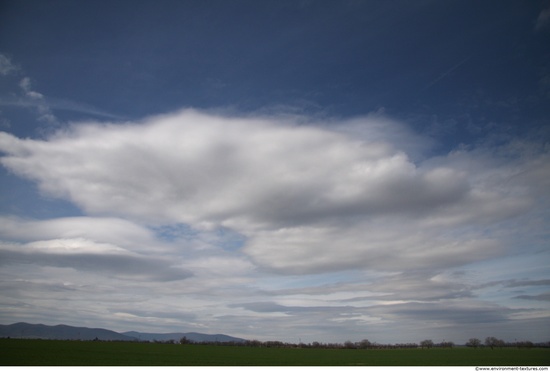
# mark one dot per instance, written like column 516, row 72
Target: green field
column 88, row 353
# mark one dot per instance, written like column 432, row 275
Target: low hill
column 60, row 332
column 65, row 332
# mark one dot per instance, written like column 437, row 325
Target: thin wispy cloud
column 6, row 65
column 28, row 97
column 543, row 20
column 37, row 101
column 446, row 73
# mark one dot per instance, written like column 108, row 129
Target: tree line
column 491, row 342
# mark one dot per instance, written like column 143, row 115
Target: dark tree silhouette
column 427, row 344
column 474, row 342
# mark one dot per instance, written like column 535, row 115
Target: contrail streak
column 443, row 75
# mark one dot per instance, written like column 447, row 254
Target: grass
column 87, row 353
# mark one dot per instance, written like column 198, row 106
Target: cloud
column 381, row 246
column 539, row 297
column 413, row 321
column 445, row 74
column 102, row 230
column 194, row 168
column 420, row 286
column 450, row 313
column 6, row 66
column 23, row 95
column 272, row 307
column 528, row 283
column 543, row 20
column 85, row 255
column 208, row 164
column 105, row 265
column 305, row 198
column 37, row 100
column 82, row 108
column 270, row 218
column 102, row 245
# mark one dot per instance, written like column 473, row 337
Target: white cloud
column 102, row 230
column 307, row 198
column 240, row 172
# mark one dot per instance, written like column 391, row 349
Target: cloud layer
column 307, row 198
column 225, row 203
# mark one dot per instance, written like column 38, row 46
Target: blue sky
column 278, row 170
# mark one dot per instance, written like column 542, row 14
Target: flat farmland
column 17, row 352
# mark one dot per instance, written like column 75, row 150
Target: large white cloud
column 308, row 197
column 194, row 168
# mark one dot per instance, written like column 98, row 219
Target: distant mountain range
column 65, row 332
column 60, row 332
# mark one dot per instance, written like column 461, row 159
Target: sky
column 277, row 170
